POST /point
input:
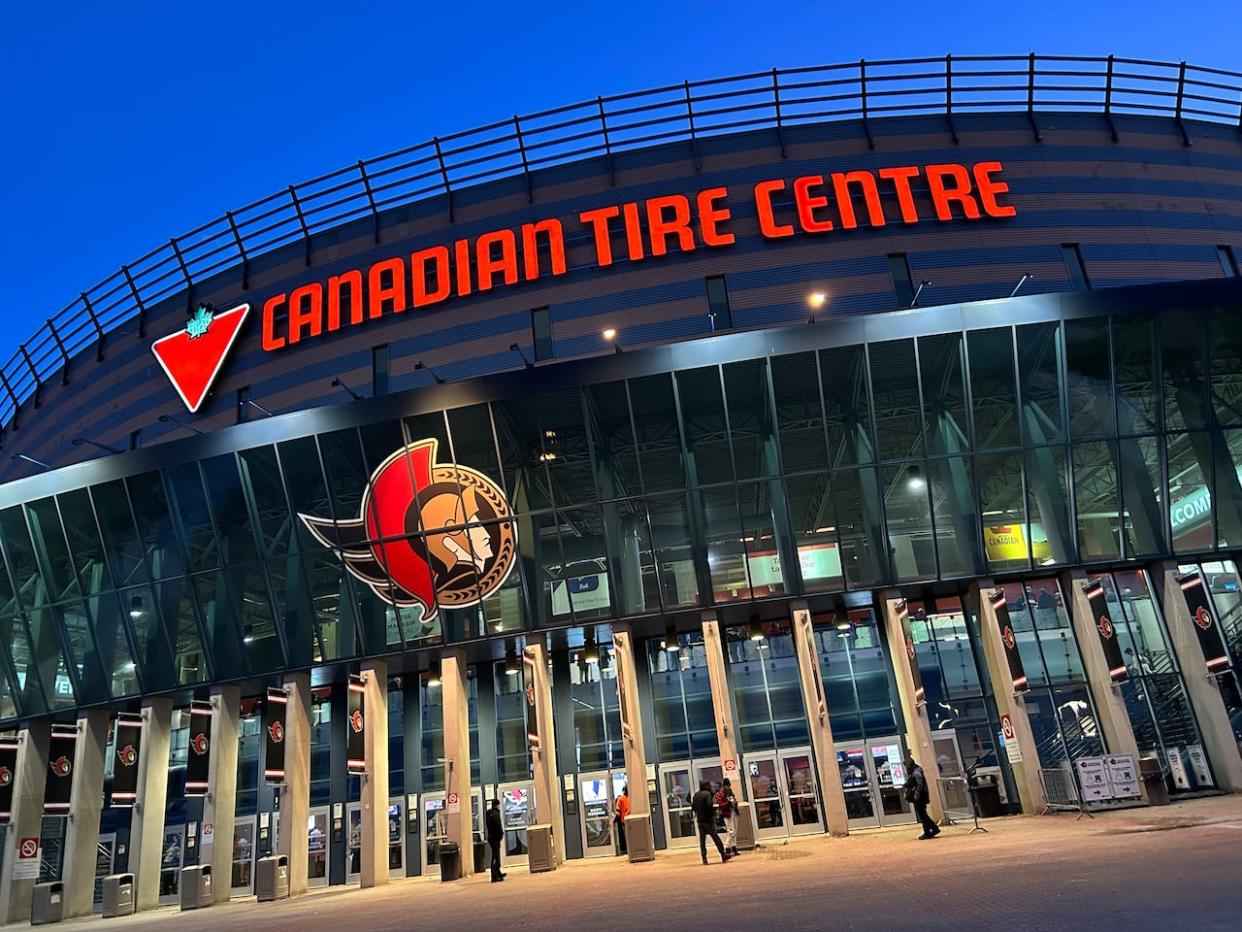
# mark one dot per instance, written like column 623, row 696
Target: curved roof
column 600, row 128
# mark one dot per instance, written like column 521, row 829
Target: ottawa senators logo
column 6, row 776
column 199, row 744
column 127, row 755
column 910, row 646
column 62, row 766
column 1106, row 627
column 466, row 549
column 355, row 721
column 1203, row 618
column 276, row 731
column 1008, row 638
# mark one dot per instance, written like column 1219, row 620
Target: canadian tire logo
column 199, row 744
column 127, row 755
column 1106, row 627
column 62, row 766
column 440, row 533
column 193, row 356
column 276, row 731
column 6, row 776
column 355, row 721
column 1008, row 638
column 1203, row 618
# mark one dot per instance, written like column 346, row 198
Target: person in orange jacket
column 619, row 813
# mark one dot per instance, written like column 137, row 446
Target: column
column 26, row 819
column 913, row 707
column 412, row 749
column 295, row 794
column 146, row 833
column 563, row 712
column 374, row 838
column 220, row 804
column 548, row 809
column 1201, row 689
column 86, row 804
column 815, row 702
column 456, row 703
column 726, row 726
column 1026, row 771
column 1111, row 715
column 639, row 837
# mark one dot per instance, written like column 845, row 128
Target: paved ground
column 1177, row 867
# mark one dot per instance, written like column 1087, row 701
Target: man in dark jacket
column 495, row 838
column 919, row 796
column 704, row 806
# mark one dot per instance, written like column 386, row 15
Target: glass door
column 105, row 857
column 396, row 838
column 243, row 856
column 434, row 829
column 172, row 859
column 316, row 847
column 517, row 810
column 856, row 785
column 678, row 790
column 888, row 773
column 798, row 785
column 595, row 794
column 765, row 796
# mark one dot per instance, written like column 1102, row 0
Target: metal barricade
column 1061, row 792
column 956, row 795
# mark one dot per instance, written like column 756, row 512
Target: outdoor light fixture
column 1026, row 276
column 610, row 335
column 255, row 404
column 30, row 459
column 590, row 650
column 915, row 481
column 756, row 630
column 169, row 419
column 514, row 348
column 337, row 383
column 511, row 661
column 78, row 441
column 923, row 284
column 671, row 643
column 815, row 300
column 420, row 367
column 135, row 607
column 433, row 673
column 843, row 625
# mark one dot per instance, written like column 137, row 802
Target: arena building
column 769, row 427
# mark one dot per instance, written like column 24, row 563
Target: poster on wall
column 8, row 774
column 127, row 744
column 355, row 743
column 1102, row 619
column 274, row 707
column 1211, row 638
column 1009, row 640
column 1093, row 778
column 1177, row 767
column 198, row 754
column 907, row 638
column 1123, row 776
column 59, row 781
column 1199, row 765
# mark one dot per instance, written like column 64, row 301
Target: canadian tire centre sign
column 633, row 231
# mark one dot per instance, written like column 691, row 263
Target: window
column 379, row 370
column 541, row 330
column 718, row 303
column 1073, row 264
column 1228, row 261
column 899, row 268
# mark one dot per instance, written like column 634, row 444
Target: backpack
column 723, row 803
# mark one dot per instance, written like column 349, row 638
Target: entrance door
column 872, row 775
column 396, row 840
column 243, row 856
column 172, row 859
column 517, row 809
column 596, row 792
column 105, row 857
column 783, row 793
column 434, row 826
column 317, row 847
column 679, row 782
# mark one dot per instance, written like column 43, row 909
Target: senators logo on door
column 199, row 744
column 428, row 534
column 277, row 732
column 1008, row 637
column 1106, row 627
column 127, row 755
column 6, row 776
column 62, row 766
column 1203, row 618
column 355, row 721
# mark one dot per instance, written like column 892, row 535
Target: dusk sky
column 128, row 123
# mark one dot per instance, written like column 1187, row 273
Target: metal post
column 603, row 122
column 64, row 373
column 776, row 99
column 1108, row 99
column 530, row 191
column 1181, row 93
column 241, row 249
column 185, row 273
column 366, row 184
column 948, row 96
column 142, row 312
column 694, row 143
column 17, row 405
column 862, row 83
column 448, row 189
column 297, row 206
column 1030, row 99
column 34, row 372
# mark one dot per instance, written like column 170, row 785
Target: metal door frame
column 861, row 822
column 608, row 776
column 104, row 837
column 172, row 899
column 352, row 876
column 506, row 859
column 693, row 766
column 326, row 812
column 886, row 820
column 253, row 822
column 818, row 826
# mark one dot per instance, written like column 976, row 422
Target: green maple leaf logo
column 197, row 325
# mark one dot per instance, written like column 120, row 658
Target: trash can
column 987, row 800
column 542, row 850
column 118, row 895
column 47, row 903
column 195, row 887
column 271, row 881
column 1154, row 787
column 745, row 827
column 450, row 860
column 480, row 856
column 639, row 840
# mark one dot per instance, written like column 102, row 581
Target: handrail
column 603, row 127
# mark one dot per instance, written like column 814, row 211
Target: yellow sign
column 1004, row 542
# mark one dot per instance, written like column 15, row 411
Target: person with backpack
column 726, row 803
column 704, row 806
column 918, row 795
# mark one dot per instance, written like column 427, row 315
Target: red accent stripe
column 1223, row 659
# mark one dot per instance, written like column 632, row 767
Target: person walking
column 918, row 795
column 620, row 812
column 704, row 806
column 726, row 802
column 495, row 837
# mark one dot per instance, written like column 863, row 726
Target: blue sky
column 126, row 123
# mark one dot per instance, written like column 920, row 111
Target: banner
column 1102, row 618
column 198, row 755
column 274, row 735
column 1010, row 640
column 1211, row 638
column 127, row 742
column 8, row 774
column 355, row 732
column 907, row 637
column 59, row 783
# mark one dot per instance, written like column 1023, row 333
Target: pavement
column 1168, row 867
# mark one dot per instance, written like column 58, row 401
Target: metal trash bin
column 745, row 827
column 639, row 840
column 271, row 880
column 541, row 848
column 195, row 887
column 480, row 856
column 118, row 895
column 450, row 861
column 1154, row 787
column 47, row 903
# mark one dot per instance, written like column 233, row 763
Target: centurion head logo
column 277, row 732
column 199, row 744
column 127, row 755
column 355, row 721
column 1008, row 638
column 62, row 766
column 1203, row 618
column 466, row 548
column 1105, row 625
column 6, row 776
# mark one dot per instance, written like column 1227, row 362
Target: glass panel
column 677, row 795
column 84, row 541
column 155, row 525
column 992, row 388
column 1089, row 375
column 564, row 452
column 703, row 420
column 908, row 514
column 942, row 363
column 266, row 492
column 616, row 453
column 656, row 433
column 955, row 515
column 597, row 813
column 93, row 686
column 1051, row 535
column 1039, row 358
column 139, row 609
column 1190, row 498
column 750, row 419
column 1134, row 361
column 27, row 582
column 895, row 393
column 46, row 654
column 1183, row 344
column 181, row 628
column 765, row 793
column 1225, row 354
column 522, row 456
column 847, row 405
column 800, row 778
column 1142, row 493
column 674, row 550
column 1095, row 497
column 1228, row 501
column 815, row 535
column 726, row 552
column 29, row 686
column 59, row 580
column 799, row 412
column 116, row 523
column 1002, row 511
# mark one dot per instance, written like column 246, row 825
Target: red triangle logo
column 191, row 358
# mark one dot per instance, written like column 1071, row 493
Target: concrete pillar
column 632, row 745
column 26, row 818
column 220, row 803
column 1026, row 771
column 913, row 706
column 815, row 702
column 456, row 705
column 1201, row 689
column 86, row 804
column 374, row 803
column 538, row 675
column 1111, row 715
column 726, row 726
column 146, row 833
column 291, row 840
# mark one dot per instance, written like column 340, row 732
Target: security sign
column 1211, row 638
column 29, row 848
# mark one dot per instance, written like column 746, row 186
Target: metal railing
column 604, row 127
